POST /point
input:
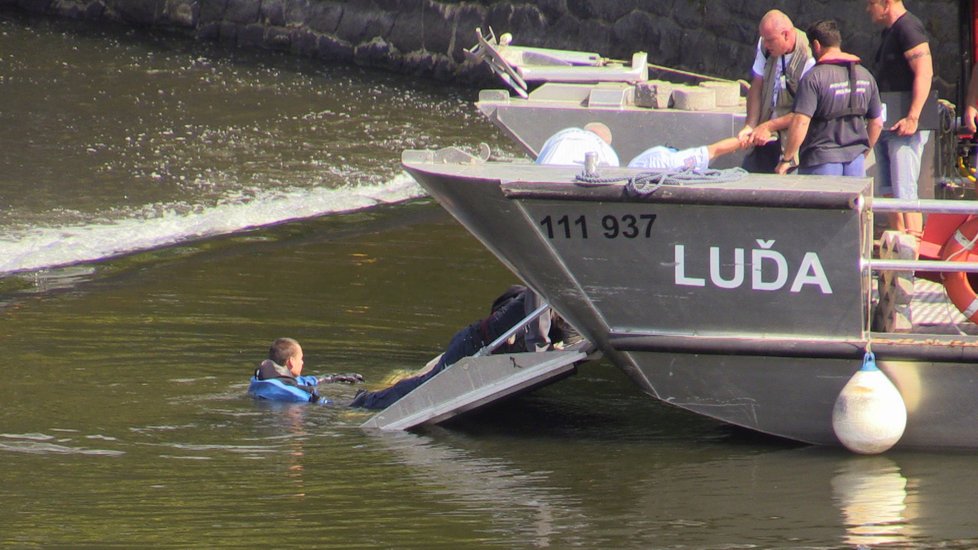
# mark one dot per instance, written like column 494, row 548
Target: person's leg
column 464, row 343
column 905, row 161
column 886, row 148
column 386, row 397
column 856, row 168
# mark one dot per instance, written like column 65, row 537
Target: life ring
column 960, row 246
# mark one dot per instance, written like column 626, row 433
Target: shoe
column 358, row 398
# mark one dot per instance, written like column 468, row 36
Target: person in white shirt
column 694, row 158
column 568, row 146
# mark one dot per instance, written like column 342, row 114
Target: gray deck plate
column 471, row 383
column 933, row 312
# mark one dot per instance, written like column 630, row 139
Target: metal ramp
column 474, row 382
column 518, row 65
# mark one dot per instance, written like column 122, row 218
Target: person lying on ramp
column 506, row 312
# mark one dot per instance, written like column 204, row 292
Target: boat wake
column 40, row 248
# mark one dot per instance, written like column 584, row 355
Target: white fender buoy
column 869, row 415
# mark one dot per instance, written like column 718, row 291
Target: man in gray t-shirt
column 837, row 114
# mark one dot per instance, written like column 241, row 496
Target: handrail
column 491, row 347
column 919, row 265
column 929, row 206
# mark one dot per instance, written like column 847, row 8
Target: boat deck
column 932, row 313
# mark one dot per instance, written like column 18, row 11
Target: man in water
column 507, row 311
column 568, row 146
column 280, row 378
column 694, row 158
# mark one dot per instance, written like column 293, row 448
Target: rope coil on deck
column 647, row 183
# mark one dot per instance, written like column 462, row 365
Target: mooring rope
column 646, row 183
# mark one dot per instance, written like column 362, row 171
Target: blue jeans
column 856, row 167
column 898, row 163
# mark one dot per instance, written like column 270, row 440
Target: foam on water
column 45, row 247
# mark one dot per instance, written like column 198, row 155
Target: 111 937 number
column 610, row 227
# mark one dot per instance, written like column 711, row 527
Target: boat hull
column 748, row 302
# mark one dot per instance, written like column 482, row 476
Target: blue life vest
column 275, row 389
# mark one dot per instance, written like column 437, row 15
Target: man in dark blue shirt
column 837, row 113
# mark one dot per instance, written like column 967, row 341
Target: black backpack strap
column 853, row 81
column 853, row 108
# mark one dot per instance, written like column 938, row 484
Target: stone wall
column 427, row 37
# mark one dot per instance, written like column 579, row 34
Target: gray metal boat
column 751, row 300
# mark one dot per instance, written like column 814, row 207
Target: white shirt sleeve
column 759, row 60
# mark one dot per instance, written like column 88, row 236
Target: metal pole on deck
column 929, row 206
column 921, row 265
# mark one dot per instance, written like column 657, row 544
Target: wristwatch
column 792, row 163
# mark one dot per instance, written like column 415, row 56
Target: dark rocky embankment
column 427, row 37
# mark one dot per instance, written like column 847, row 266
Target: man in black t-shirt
column 837, row 114
column 903, row 64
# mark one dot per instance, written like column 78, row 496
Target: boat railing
column 925, row 206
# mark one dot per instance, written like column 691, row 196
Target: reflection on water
column 516, row 500
column 38, row 443
column 871, row 492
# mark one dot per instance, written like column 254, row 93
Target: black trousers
column 763, row 159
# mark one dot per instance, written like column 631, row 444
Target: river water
column 167, row 208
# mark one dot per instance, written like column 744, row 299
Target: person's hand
column 970, row 113
column 760, row 136
column 348, row 378
column 744, row 136
column 905, row 126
